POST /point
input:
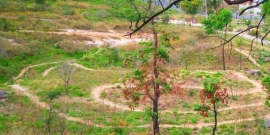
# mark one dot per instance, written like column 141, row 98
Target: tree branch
column 152, row 17
column 253, row 6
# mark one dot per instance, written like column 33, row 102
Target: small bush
column 67, row 10
column 191, row 92
column 68, row 46
column 186, row 105
column 165, row 19
column 40, row 1
column 3, row 3
column 42, row 7
column 252, row 32
column 266, row 27
column 5, row 25
column 103, row 95
column 101, row 14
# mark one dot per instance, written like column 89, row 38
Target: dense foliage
column 218, row 21
column 191, row 7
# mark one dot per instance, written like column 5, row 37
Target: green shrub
column 40, row 1
column 165, row 19
column 67, row 10
column 5, row 25
column 3, row 3
column 42, row 7
column 101, row 14
column 186, row 105
column 252, row 32
column 106, row 57
column 192, row 92
column 103, row 95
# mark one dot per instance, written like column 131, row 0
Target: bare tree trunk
column 156, row 86
column 49, row 118
column 223, row 50
column 215, row 112
column 205, row 2
column 240, row 58
column 223, row 57
column 66, row 87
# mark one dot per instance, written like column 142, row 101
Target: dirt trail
column 42, row 64
column 96, row 92
column 200, row 125
column 46, row 72
column 111, row 38
column 249, row 57
column 35, row 99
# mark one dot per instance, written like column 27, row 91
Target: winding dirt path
column 46, row 72
column 42, row 64
column 97, row 91
column 248, row 56
column 35, row 99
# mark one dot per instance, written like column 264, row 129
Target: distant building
column 3, row 96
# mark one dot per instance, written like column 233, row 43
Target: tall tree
column 191, row 7
column 213, row 6
column 65, row 72
column 211, row 94
column 152, row 79
column 216, row 23
column 239, row 44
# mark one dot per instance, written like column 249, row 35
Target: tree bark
column 156, row 86
column 215, row 112
column 223, row 50
column 240, row 59
column 206, row 13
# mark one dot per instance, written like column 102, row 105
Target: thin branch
column 152, row 17
column 230, row 50
column 215, row 37
column 253, row 6
column 161, row 4
column 251, row 47
column 229, row 2
column 264, row 37
column 227, row 41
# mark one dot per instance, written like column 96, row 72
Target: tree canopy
column 217, row 22
column 191, row 7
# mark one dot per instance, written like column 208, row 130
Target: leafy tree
column 217, row 23
column 152, row 79
column 266, row 85
column 65, row 72
column 213, row 6
column 51, row 96
column 266, row 7
column 129, row 14
column 191, row 7
column 211, row 94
